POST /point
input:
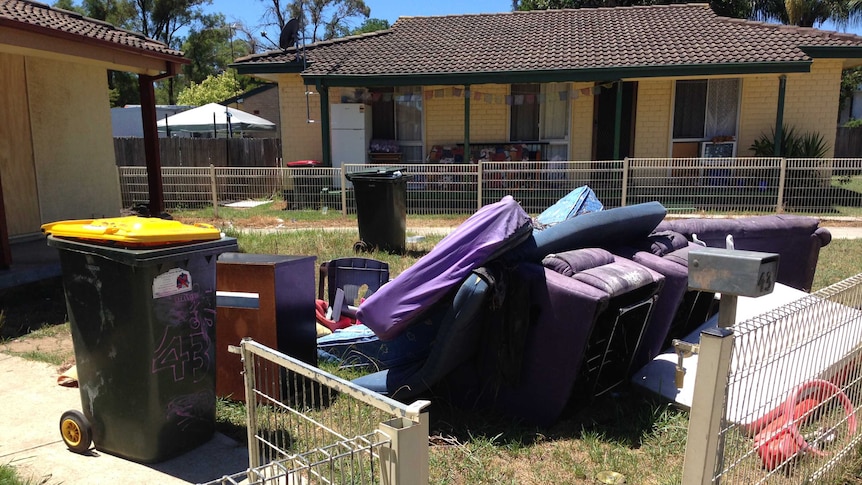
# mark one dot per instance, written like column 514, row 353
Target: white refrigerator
column 350, row 135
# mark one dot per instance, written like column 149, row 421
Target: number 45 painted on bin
column 186, row 341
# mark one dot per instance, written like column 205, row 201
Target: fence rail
column 689, row 185
column 309, row 426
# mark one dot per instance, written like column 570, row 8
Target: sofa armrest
column 823, row 235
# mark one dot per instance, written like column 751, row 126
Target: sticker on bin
column 172, row 282
column 132, row 231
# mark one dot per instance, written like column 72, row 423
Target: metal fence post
column 479, row 177
column 343, row 191
column 707, row 408
column 214, row 190
column 782, row 180
column 405, row 462
column 625, row 186
column 250, row 404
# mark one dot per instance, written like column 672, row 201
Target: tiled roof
column 54, row 21
column 554, row 40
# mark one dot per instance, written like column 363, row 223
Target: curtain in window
column 524, row 123
column 408, row 122
column 383, row 113
column 555, row 111
column 722, row 104
column 689, row 109
column 408, row 114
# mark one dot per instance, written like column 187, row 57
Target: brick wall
column 757, row 110
column 810, row 104
column 300, row 140
column 653, row 120
column 444, row 116
column 581, row 133
column 264, row 104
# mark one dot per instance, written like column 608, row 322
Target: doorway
column 604, row 117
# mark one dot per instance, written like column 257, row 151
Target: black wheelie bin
column 381, row 208
column 141, row 298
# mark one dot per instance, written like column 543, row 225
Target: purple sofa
column 612, row 293
column 797, row 239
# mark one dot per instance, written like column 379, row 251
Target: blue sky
column 250, row 12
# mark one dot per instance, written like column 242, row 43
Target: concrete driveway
column 32, row 404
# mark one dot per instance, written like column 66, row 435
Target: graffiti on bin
column 186, row 346
column 187, row 409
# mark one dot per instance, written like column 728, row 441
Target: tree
column 213, row 89
column 211, row 47
column 210, row 41
column 851, row 79
column 329, row 16
column 371, row 25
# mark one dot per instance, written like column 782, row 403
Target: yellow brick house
column 579, row 84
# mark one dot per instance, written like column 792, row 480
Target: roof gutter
column 571, row 75
column 832, row 52
column 269, row 68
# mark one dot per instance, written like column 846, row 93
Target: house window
column 524, row 122
column 397, row 114
column 705, row 109
column 540, row 113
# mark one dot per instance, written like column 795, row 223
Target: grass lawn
column 637, row 436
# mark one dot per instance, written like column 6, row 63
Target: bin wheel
column 75, row 431
column 361, row 247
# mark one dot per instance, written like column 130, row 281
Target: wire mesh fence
column 692, row 185
column 683, row 185
column 307, row 426
column 794, row 390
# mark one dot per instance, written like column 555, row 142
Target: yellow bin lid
column 132, row 231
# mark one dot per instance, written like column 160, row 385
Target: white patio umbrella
column 214, row 118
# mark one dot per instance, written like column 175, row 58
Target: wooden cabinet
column 284, row 318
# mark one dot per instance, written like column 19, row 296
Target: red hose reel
column 779, row 439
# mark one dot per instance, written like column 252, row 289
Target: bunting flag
column 490, row 98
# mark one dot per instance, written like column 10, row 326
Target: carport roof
column 571, row 44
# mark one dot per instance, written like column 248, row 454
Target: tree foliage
column 321, row 19
column 211, row 46
column 371, row 25
column 804, row 13
column 851, row 79
column 213, row 89
column 162, row 20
